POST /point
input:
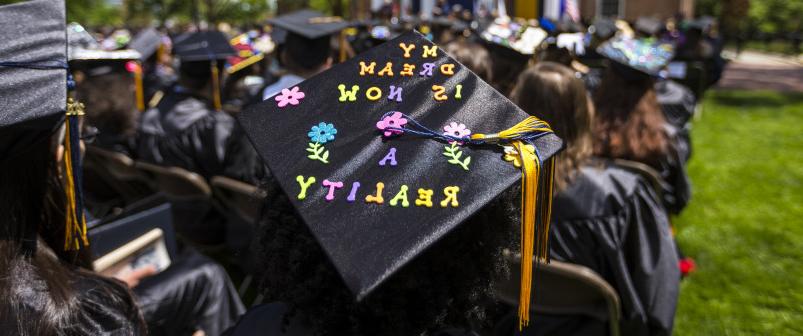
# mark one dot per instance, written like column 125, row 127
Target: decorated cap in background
column 247, row 53
column 388, row 152
column 82, row 46
column 643, row 55
column 517, row 36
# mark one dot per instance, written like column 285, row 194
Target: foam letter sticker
column 401, row 196
column 427, row 69
column 304, row 185
column 395, row 93
column 353, row 193
column 348, row 95
column 390, row 156
column 439, row 93
column 378, row 199
column 407, row 69
column 457, row 89
column 367, row 69
column 424, row 198
column 387, row 70
column 373, row 93
column 447, row 69
column 451, row 196
column 407, row 49
column 332, row 186
column 430, row 51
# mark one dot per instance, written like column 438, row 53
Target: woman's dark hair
column 629, row 123
column 45, row 293
column 474, row 56
column 450, row 284
column 552, row 92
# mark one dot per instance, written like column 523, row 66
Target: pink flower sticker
column 456, row 130
column 395, row 120
column 291, row 96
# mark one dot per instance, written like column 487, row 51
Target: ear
column 329, row 61
column 60, row 153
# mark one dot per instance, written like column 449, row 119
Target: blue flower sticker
column 322, row 133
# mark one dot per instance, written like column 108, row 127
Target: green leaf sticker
column 454, row 154
column 318, row 152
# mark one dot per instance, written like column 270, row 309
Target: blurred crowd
column 620, row 94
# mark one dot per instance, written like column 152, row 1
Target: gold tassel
column 216, row 87
column 528, row 125
column 139, row 90
column 75, row 227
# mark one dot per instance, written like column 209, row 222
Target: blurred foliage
column 757, row 16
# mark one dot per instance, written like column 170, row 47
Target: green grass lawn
column 744, row 225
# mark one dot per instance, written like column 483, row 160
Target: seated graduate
column 155, row 60
column 43, row 287
column 604, row 217
column 386, row 214
column 629, row 123
column 678, row 104
column 306, row 49
column 187, row 128
column 105, row 82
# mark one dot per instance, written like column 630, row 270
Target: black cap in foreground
column 33, row 68
column 383, row 155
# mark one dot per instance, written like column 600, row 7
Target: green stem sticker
column 318, row 152
column 454, row 154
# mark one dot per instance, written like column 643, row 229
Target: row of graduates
column 605, row 216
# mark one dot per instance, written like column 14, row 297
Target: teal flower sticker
column 322, row 133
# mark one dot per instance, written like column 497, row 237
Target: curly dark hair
column 450, row 284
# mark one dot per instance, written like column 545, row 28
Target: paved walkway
column 757, row 71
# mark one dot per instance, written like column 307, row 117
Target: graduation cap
column 146, row 42
column 33, row 96
column 87, row 55
column 308, row 27
column 388, row 152
column 645, row 56
column 246, row 55
column 649, row 25
column 603, row 28
column 202, row 47
column 521, row 38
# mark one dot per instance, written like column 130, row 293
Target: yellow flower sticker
column 512, row 156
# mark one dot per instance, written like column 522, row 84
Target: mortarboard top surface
column 643, row 55
column 649, row 25
column 146, row 42
column 604, row 28
column 515, row 36
column 32, row 32
column 368, row 242
column 309, row 24
column 203, row 46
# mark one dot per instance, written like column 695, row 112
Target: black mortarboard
column 203, row 46
column 325, row 143
column 648, row 25
column 603, row 28
column 146, row 42
column 309, row 24
column 33, row 68
column 521, row 38
column 33, row 97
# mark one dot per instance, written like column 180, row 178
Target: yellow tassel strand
column 216, row 87
column 75, row 227
column 534, row 198
column 139, row 90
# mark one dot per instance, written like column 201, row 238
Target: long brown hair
column 629, row 123
column 552, row 92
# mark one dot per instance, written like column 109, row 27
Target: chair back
column 648, row 173
column 239, row 198
column 110, row 174
column 176, row 183
column 565, row 289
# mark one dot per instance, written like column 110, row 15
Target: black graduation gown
column 269, row 319
column 678, row 104
column 611, row 221
column 183, row 131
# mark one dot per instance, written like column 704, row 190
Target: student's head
column 197, row 75
column 629, row 123
column 474, row 56
column 110, row 101
column 448, row 285
column 306, row 57
column 552, row 92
